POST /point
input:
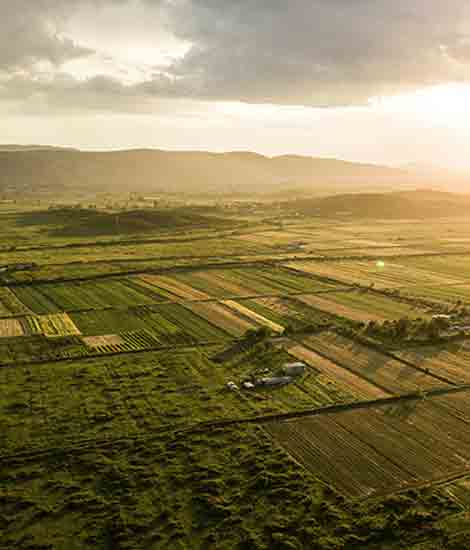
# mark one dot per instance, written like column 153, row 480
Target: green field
column 250, row 282
column 142, row 403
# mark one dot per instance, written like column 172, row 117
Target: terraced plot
column 35, row 300
column 377, row 450
column 381, row 274
column 10, row 304
column 125, row 341
column 451, row 361
column 53, row 325
column 381, row 370
column 287, row 311
column 443, row 294
column 220, row 316
column 96, row 342
column 344, row 379
column 362, row 306
column 97, row 294
column 168, row 322
column 454, row 268
column 10, row 328
column 247, row 282
column 253, row 316
column 173, row 288
column 57, row 324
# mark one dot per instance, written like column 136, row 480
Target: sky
column 368, row 80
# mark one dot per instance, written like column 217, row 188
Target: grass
column 57, row 404
column 190, row 491
column 254, row 316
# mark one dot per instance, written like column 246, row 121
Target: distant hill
column 7, row 147
column 71, row 222
column 36, row 170
column 412, row 204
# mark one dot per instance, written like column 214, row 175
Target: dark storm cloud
column 310, row 52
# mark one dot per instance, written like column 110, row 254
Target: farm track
column 85, row 444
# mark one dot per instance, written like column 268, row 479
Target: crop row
column 380, row 369
column 250, row 281
column 379, row 449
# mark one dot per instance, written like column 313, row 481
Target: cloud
column 30, row 32
column 321, row 53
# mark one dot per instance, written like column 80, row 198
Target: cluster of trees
column 407, row 329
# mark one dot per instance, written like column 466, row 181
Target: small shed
column 275, row 381
column 294, row 369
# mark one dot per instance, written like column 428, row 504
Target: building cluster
column 290, row 371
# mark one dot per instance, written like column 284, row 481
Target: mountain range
column 38, row 170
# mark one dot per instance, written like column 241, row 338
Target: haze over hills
column 30, row 170
column 13, row 147
column 419, row 204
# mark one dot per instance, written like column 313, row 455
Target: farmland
column 147, row 402
column 387, row 447
column 250, row 282
column 451, row 361
column 361, row 306
column 380, row 369
column 381, row 274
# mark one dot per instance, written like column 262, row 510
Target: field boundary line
column 181, row 301
column 81, row 358
column 209, row 425
column 343, row 366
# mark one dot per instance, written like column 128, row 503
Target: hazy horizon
column 368, row 82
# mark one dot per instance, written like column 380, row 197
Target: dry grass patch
column 105, row 340
column 179, row 289
column 10, row 328
column 253, row 316
column 387, row 275
column 57, row 324
column 219, row 280
column 222, row 317
column 361, row 306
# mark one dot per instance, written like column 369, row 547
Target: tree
column 402, row 327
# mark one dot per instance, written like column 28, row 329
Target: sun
column 445, row 104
